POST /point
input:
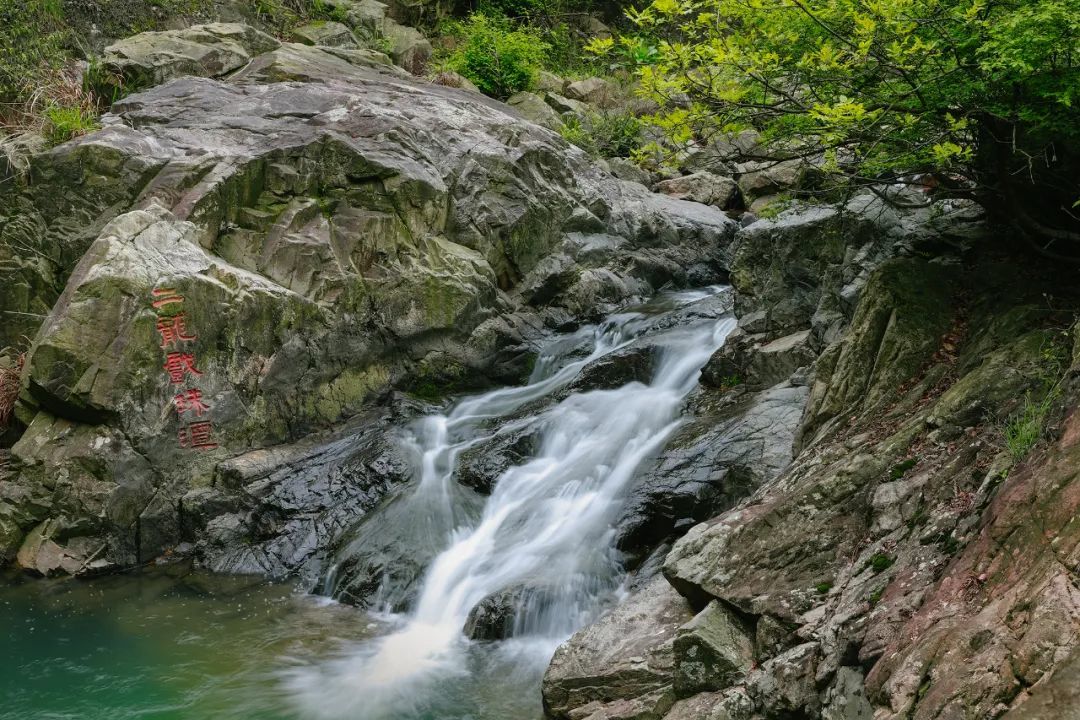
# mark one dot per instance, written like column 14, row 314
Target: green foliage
column 897, row 471
column 605, row 133
column 498, row 58
column 880, row 88
column 286, row 14
column 33, row 40
column 64, row 122
column 823, row 587
column 880, row 562
column 1024, row 429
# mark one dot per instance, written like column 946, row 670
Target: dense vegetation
column 982, row 93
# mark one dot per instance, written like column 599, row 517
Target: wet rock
column 712, row 652
column 480, row 466
column 708, row 466
column 494, row 617
column 747, row 359
column 624, row 657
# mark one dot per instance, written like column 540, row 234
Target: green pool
column 161, row 645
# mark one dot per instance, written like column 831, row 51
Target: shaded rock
column 708, row 466
column 408, row 47
column 846, row 697
column 332, row 34
column 211, row 50
column 533, row 108
column 745, row 359
column 702, row 187
column 593, row 91
column 548, row 82
column 786, row 683
column 729, row 705
column 626, row 170
column 712, row 652
column 758, row 179
column 805, row 268
column 624, row 656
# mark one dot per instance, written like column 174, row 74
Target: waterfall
column 545, row 535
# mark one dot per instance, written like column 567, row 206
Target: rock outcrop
column 237, row 264
column 898, row 562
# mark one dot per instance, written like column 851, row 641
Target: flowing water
column 544, row 538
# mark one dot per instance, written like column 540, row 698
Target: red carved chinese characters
column 190, row 401
column 197, row 436
column 165, row 296
column 178, row 364
column 173, row 330
column 180, row 367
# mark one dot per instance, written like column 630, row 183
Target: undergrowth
column 9, row 389
column 1025, row 428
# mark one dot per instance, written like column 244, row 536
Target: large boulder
column 332, row 34
column 714, row 651
column 532, row 107
column 703, row 187
column 211, row 50
column 623, row 659
column 245, row 263
column 711, row 463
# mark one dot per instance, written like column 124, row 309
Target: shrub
column 880, row 562
column 9, row 390
column 497, row 58
column 1024, row 429
column 64, row 122
column 983, row 95
column 604, row 133
column 33, row 40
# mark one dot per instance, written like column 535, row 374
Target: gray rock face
column 211, row 50
column 703, row 187
column 331, row 34
column 624, row 659
column 594, row 91
column 533, row 108
column 709, row 465
column 714, row 651
column 331, row 229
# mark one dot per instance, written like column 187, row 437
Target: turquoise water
column 161, row 645
column 172, row 644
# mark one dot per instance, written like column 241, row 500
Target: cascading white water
column 546, row 525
